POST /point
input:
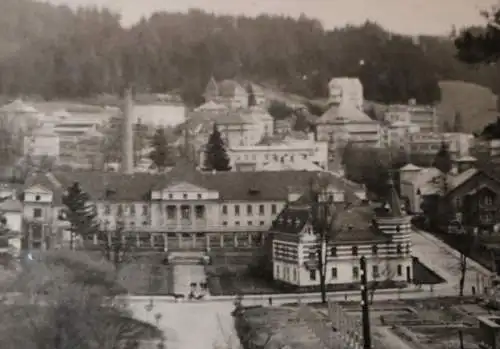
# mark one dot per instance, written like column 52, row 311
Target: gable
column 184, row 191
column 476, row 182
column 37, row 189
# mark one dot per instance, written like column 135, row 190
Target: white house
column 382, row 237
column 346, row 90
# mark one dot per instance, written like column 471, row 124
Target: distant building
column 233, row 94
column 343, row 123
column 397, row 134
column 42, row 143
column 285, row 153
column 429, row 143
column 346, row 90
column 424, row 116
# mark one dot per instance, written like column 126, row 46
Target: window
column 399, row 270
column 312, row 275
column 277, row 271
column 334, row 273
column 274, row 209
column 249, row 223
column 399, row 249
column 458, row 202
column 199, row 196
column 185, row 196
column 37, row 212
column 312, row 255
column 107, row 209
column 132, row 210
column 185, row 212
column 224, row 223
column 38, row 198
column 171, row 212
column 236, row 210
column 333, row 251
column 262, row 223
column 119, row 211
column 375, row 272
column 354, row 250
column 200, row 211
column 355, row 273
column 375, row 249
column 249, row 210
column 224, row 209
column 145, row 210
column 170, row 196
column 487, row 200
column 237, row 223
column 261, row 210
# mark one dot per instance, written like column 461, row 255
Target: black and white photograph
column 259, row 174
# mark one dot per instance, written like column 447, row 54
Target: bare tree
column 381, row 277
column 323, row 221
column 64, row 302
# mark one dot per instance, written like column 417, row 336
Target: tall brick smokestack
column 127, row 133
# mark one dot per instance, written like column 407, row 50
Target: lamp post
column 323, row 217
column 365, row 310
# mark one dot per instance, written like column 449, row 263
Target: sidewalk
column 445, row 261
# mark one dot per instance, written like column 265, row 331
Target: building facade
column 346, row 90
column 382, row 237
column 286, row 151
column 182, row 209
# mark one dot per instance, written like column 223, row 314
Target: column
column 179, row 239
column 152, row 240
column 207, row 238
column 94, row 239
column 235, row 239
column 262, row 239
column 221, row 237
column 193, row 236
column 165, row 242
column 137, row 240
column 250, row 239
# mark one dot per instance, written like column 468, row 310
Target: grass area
column 476, row 104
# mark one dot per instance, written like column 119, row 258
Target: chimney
column 127, row 165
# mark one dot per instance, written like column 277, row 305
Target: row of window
column 376, row 273
column 274, row 157
column 120, row 209
column 355, row 250
column 249, row 210
column 249, row 223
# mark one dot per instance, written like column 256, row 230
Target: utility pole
column 365, row 310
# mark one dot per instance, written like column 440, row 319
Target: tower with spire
column 392, row 220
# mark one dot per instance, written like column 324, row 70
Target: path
column 445, row 261
column 192, row 325
column 185, row 274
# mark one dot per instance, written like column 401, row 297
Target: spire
column 393, row 200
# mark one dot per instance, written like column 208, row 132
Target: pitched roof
column 228, row 88
column 352, row 224
column 232, row 186
column 343, row 112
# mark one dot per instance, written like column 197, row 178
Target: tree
column 458, row 124
column 80, row 212
column 216, row 155
column 251, row 96
column 323, row 224
column 279, row 110
column 383, row 275
column 67, row 300
column 162, row 153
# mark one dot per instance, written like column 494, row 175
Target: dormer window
column 38, row 198
column 185, row 196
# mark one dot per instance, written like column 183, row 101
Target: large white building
column 181, row 209
column 383, row 237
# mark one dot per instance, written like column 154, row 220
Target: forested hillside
column 54, row 52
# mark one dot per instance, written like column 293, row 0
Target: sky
column 402, row 16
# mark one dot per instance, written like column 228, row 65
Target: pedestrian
column 270, row 301
column 473, row 290
column 345, row 296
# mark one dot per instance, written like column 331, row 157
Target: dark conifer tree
column 80, row 213
column 161, row 155
column 216, row 155
column 251, row 96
